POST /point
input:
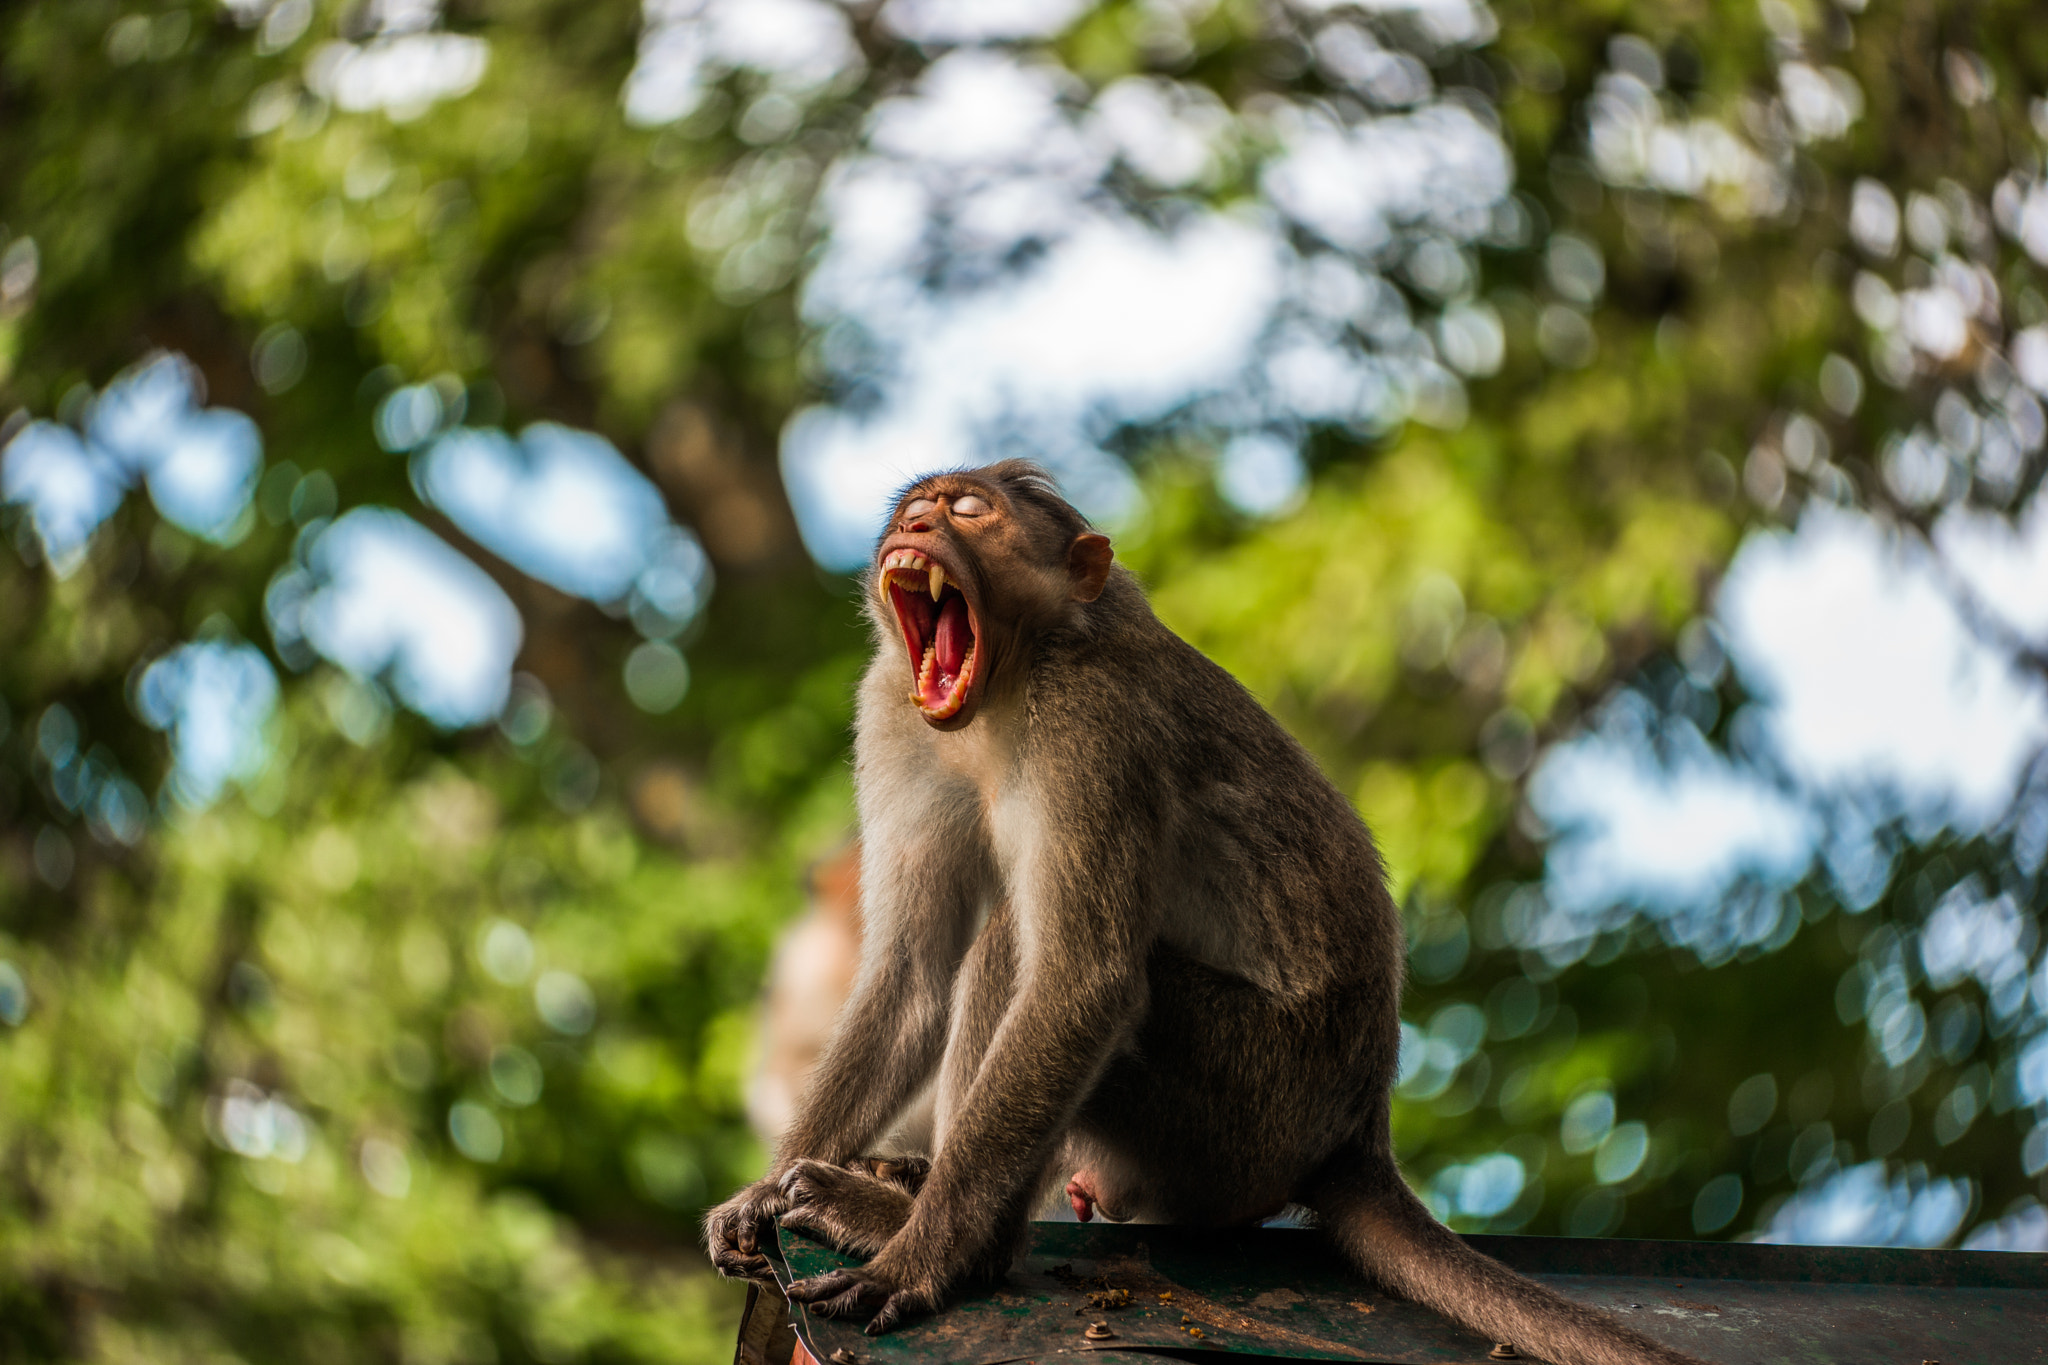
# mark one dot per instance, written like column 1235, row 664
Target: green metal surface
column 1278, row 1293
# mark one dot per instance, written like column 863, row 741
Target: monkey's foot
column 845, row 1206
column 842, row 1293
column 1084, row 1192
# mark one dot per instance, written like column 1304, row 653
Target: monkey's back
column 1258, row 865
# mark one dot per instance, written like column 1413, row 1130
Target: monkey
column 1127, row 929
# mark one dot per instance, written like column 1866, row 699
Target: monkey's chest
column 980, row 757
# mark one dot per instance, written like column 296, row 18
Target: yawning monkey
column 1129, row 929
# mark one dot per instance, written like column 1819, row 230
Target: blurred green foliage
column 430, row 1047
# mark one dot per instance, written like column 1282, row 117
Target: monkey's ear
column 1088, row 565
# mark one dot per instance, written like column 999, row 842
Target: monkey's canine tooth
column 938, row 581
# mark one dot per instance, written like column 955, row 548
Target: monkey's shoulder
column 1144, row 689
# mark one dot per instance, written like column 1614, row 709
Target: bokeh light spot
column 565, row 1002
column 476, row 1132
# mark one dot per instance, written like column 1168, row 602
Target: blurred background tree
column 438, row 435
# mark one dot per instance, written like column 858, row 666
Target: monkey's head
column 972, row 565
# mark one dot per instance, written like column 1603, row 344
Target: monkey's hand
column 893, row 1294
column 732, row 1231
column 856, row 1207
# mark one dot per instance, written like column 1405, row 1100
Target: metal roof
column 1281, row 1294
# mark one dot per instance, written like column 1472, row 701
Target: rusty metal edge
column 766, row 1336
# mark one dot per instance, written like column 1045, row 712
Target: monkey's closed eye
column 969, row 506
column 918, row 507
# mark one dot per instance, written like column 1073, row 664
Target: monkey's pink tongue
column 954, row 635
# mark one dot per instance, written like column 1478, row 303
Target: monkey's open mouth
column 938, row 630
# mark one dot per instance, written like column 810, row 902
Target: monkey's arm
column 887, row 1041
column 923, row 876
column 1080, row 991
column 886, row 1044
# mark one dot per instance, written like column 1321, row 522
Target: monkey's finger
column 803, row 1216
column 806, row 1180
column 892, row 1312
column 739, row 1267
column 820, row 1287
column 793, row 1179
column 840, row 1293
column 849, row 1303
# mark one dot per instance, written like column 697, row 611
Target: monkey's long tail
column 1381, row 1226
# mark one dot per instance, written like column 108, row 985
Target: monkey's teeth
column 938, row 580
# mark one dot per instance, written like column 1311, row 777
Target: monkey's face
column 973, row 566
column 927, row 576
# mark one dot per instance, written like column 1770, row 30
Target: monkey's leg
column 879, row 1056
column 864, row 1218
column 1228, row 1098
column 922, row 874
column 886, row 1045
column 992, row 1197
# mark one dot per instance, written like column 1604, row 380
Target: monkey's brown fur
column 1126, row 926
